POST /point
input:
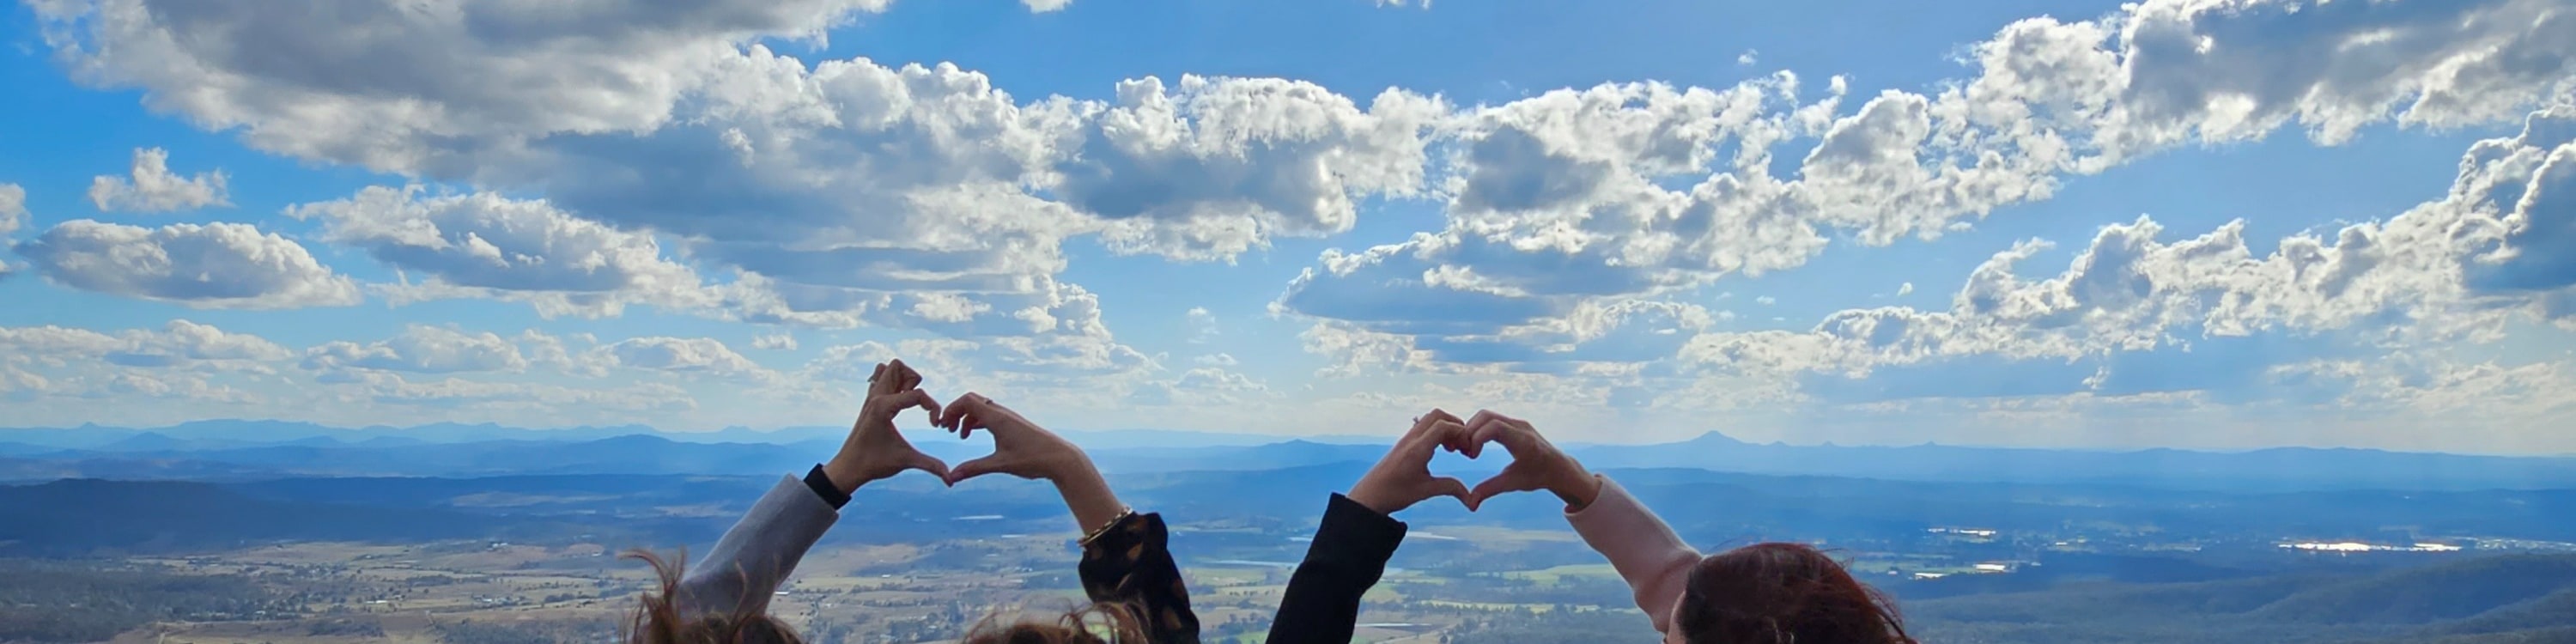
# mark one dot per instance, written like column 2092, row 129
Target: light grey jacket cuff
column 759, row 552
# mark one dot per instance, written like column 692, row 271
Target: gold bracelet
column 1094, row 534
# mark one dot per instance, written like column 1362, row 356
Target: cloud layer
column 593, row 160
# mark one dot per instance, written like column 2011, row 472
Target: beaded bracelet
column 1094, row 534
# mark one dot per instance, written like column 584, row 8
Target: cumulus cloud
column 485, row 244
column 846, row 191
column 1223, row 164
column 220, row 265
column 268, row 71
column 85, row 369
column 1202, row 386
column 178, row 343
column 686, row 355
column 1575, row 195
column 152, row 187
column 13, row 211
column 1202, row 324
column 13, row 208
column 1054, row 327
column 378, row 387
column 774, row 341
column 2447, row 271
column 421, row 348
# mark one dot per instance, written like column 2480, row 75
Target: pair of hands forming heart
column 1403, row 478
column 874, row 451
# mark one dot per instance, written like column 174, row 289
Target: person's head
column 1781, row 593
column 658, row 621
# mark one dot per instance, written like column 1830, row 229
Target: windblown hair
column 1099, row 623
column 657, row 620
column 1783, row 593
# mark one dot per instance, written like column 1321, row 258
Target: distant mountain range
column 267, row 449
column 207, row 434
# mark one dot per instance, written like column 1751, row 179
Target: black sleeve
column 823, row 487
column 1350, row 551
column 1131, row 563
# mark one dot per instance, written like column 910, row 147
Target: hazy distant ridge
column 233, row 449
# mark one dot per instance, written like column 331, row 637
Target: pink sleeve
column 1646, row 553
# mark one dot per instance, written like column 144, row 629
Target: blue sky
column 2177, row 223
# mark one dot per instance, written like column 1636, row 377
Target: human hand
column 1403, row 477
column 874, row 451
column 1023, row 449
column 1020, row 448
column 1536, row 463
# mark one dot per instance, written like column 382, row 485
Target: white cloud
column 13, row 208
column 178, row 343
column 686, row 355
column 1563, row 197
column 271, row 71
column 1044, row 6
column 89, row 370
column 488, row 245
column 854, row 192
column 421, row 348
column 153, row 188
column 1215, row 360
column 220, row 265
column 1201, row 324
column 1905, row 289
column 2447, row 271
column 1221, row 165
column 1200, row 387
column 1748, row 58
column 774, row 341
column 490, row 398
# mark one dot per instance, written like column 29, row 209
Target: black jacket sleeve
column 1350, row 551
column 1131, row 563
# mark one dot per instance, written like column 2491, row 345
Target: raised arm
column 1648, row 555
column 762, row 548
column 1654, row 561
column 1126, row 557
column 1359, row 534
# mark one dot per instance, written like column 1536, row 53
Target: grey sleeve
column 746, row 566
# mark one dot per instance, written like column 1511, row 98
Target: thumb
column 927, row 463
column 1511, row 479
column 971, row 469
column 1448, row 487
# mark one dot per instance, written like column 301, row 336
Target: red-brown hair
column 1783, row 593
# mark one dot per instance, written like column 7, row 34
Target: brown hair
column 657, row 620
column 1086, row 625
column 1783, row 593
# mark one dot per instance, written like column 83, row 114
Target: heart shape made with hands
column 1404, row 478
column 1536, row 463
column 1020, row 448
column 875, row 450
